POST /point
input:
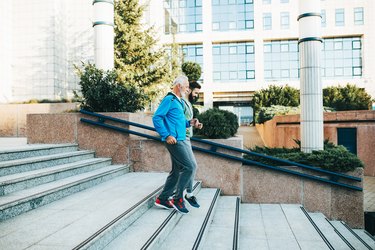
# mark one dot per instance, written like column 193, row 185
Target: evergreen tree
column 138, row 58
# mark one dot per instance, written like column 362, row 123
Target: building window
column 348, row 138
column 340, row 17
column 324, row 18
column 284, row 20
column 193, row 53
column 358, row 16
column 267, row 21
column 233, row 62
column 342, row 57
column 281, row 60
column 284, row 1
column 232, row 15
column 183, row 16
column 266, row 1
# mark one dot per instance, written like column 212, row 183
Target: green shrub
column 349, row 97
column 104, row 92
column 333, row 158
column 217, row 124
column 267, row 113
column 275, row 95
column 192, row 70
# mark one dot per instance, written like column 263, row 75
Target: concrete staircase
column 56, row 197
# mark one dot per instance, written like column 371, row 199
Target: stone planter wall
column 13, row 116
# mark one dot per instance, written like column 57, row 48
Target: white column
column 207, row 54
column 311, row 84
column 104, row 33
column 6, row 49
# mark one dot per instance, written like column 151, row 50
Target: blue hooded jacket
column 169, row 118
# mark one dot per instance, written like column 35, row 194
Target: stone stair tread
column 26, row 194
column 348, row 235
column 45, row 171
column 275, row 226
column 32, row 147
column 190, row 224
column 369, row 240
column 67, row 222
column 220, row 232
column 304, row 232
column 328, row 231
column 43, row 158
column 141, row 230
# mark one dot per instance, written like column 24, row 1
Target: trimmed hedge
column 267, row 113
column 333, row 158
column 217, row 124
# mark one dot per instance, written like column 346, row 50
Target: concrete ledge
column 13, row 116
column 264, row 186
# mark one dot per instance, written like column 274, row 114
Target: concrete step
column 22, row 201
column 350, row 236
column 190, row 231
column 20, row 181
column 366, row 237
column 304, row 232
column 33, row 150
column 277, row 226
column 66, row 223
column 38, row 162
column 328, row 231
column 150, row 229
column 221, row 231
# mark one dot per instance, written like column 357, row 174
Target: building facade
column 40, row 42
column 242, row 45
column 246, row 45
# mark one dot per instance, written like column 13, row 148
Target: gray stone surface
column 20, row 181
column 187, row 229
column 25, row 200
column 24, row 151
column 220, row 232
column 369, row 240
column 68, row 222
column 38, row 162
column 142, row 229
column 348, row 235
column 328, row 231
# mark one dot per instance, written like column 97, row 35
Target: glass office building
column 246, row 45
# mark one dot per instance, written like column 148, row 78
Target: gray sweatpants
column 183, row 170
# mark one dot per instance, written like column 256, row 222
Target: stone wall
column 252, row 184
column 281, row 130
column 13, row 116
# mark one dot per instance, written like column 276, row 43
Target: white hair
column 180, row 80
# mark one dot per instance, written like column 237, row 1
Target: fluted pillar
column 104, row 33
column 311, row 93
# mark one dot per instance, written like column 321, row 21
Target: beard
column 193, row 99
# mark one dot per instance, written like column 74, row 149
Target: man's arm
column 159, row 116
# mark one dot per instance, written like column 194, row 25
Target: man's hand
column 198, row 125
column 171, row 140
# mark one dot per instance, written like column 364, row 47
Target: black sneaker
column 179, row 205
column 163, row 203
column 192, row 201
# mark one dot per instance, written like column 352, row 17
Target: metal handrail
column 334, row 175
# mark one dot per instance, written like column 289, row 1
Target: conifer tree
column 138, row 58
